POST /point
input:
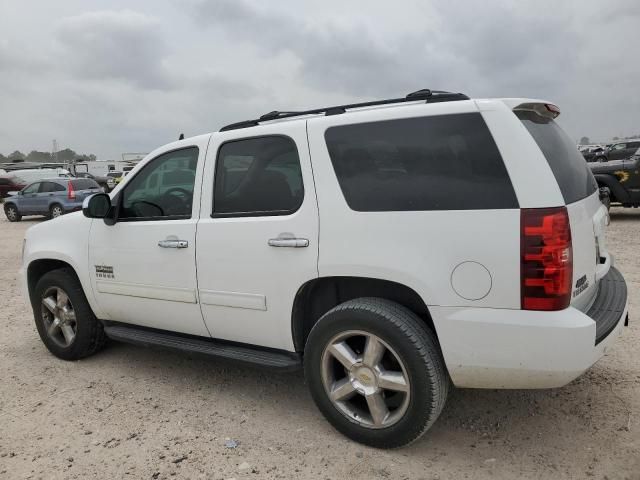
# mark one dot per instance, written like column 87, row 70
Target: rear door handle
column 288, row 242
column 173, row 244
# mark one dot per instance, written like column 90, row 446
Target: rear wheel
column 376, row 373
column 12, row 213
column 56, row 211
column 65, row 322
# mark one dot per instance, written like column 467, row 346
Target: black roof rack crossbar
column 430, row 96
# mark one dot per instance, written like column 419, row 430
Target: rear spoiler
column 541, row 107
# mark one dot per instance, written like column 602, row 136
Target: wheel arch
column 619, row 194
column 37, row 268
column 318, row 296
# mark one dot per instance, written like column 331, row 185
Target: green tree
column 66, row 155
column 16, row 156
column 584, row 141
column 36, row 156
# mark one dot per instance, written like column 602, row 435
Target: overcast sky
column 108, row 77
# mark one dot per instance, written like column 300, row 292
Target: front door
column 143, row 267
column 258, row 235
column 29, row 199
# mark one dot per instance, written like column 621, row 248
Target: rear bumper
column 502, row 348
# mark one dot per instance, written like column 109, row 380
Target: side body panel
column 44, row 242
column 134, row 279
column 421, row 249
column 247, row 287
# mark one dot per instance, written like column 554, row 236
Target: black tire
column 54, row 209
column 414, row 344
column 89, row 335
column 601, row 159
column 12, row 213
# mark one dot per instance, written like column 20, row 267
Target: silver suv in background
column 51, row 197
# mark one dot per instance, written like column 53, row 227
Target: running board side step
column 270, row 358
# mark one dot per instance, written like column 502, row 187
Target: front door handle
column 173, row 243
column 291, row 242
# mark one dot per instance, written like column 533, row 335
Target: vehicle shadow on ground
column 476, row 420
column 619, row 214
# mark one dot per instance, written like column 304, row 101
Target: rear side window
column 84, row 184
column 447, row 162
column 49, row 187
column 567, row 164
column 257, row 177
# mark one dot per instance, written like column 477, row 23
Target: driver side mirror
column 97, row 206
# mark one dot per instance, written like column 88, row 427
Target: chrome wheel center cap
column 363, row 379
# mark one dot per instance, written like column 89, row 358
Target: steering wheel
column 179, row 190
column 177, row 193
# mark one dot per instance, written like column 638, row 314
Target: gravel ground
column 146, row 413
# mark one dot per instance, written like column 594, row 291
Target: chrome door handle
column 288, row 242
column 173, row 243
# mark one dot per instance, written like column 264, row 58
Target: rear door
column 258, row 233
column 49, row 193
column 587, row 214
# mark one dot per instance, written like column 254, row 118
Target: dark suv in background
column 619, row 180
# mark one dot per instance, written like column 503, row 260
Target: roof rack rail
column 429, row 96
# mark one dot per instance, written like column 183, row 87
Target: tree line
column 65, row 155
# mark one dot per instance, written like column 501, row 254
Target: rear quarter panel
column 419, row 249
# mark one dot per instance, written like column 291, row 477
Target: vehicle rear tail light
column 71, row 192
column 546, row 258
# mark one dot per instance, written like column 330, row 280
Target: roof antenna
column 181, row 137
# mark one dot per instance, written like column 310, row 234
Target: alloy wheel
column 59, row 316
column 365, row 379
column 12, row 213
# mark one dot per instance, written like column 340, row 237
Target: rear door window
column 569, row 167
column 445, row 162
column 257, row 177
column 84, row 184
column 49, row 187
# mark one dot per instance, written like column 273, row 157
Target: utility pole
column 54, row 151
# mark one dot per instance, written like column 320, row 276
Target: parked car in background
column 10, row 183
column 618, row 151
column 591, row 152
column 620, row 180
column 106, row 183
column 116, row 175
column 51, row 197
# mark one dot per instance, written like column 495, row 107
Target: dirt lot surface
column 138, row 413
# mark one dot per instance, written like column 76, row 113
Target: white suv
column 390, row 248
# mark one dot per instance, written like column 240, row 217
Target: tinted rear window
column 84, row 184
column 447, row 162
column 569, row 167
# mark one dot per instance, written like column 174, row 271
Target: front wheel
column 12, row 213
column 64, row 319
column 376, row 373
